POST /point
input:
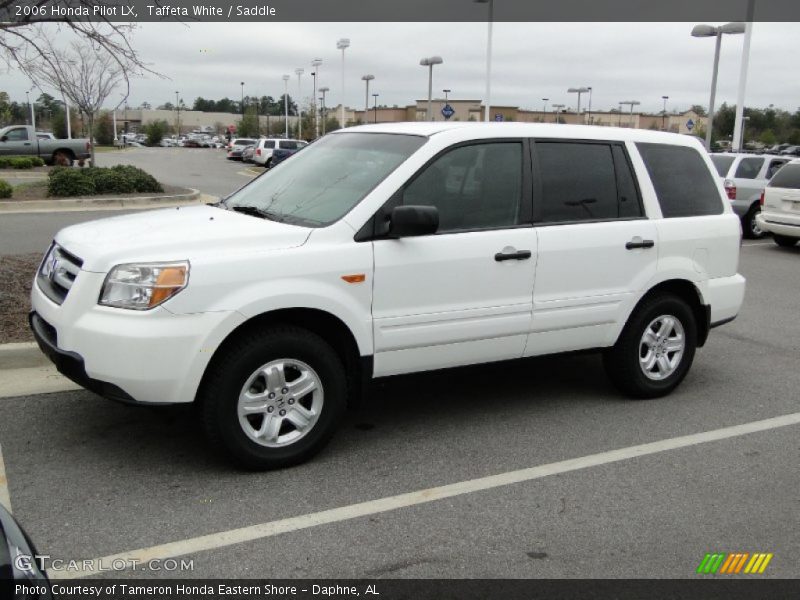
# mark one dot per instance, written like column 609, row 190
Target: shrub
column 21, row 163
column 70, row 182
column 142, row 181
column 104, row 129
column 155, row 132
column 37, row 162
column 5, row 162
column 5, row 189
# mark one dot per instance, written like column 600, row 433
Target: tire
column 272, row 438
column 63, row 158
column 784, row 240
column 268, row 163
column 628, row 368
column 750, row 227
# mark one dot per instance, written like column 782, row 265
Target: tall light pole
column 242, row 84
column 716, row 32
column 738, row 141
column 375, row 104
column 177, row 114
column 342, row 45
column 445, row 95
column 544, row 108
column 299, row 72
column 367, row 79
column 631, row 103
column 429, row 62
column 66, row 111
column 286, row 105
column 33, row 114
column 579, row 91
column 490, row 21
column 557, row 108
column 323, row 90
column 591, row 118
column 664, row 113
column 316, row 63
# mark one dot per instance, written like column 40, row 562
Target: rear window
column 269, row 143
column 787, row 177
column 748, row 168
column 682, row 181
column 723, row 163
column 289, row 145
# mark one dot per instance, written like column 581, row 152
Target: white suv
column 780, row 210
column 262, row 155
column 392, row 249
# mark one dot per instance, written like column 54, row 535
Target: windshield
column 322, row 183
column 723, row 163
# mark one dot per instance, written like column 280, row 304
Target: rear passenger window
column 682, row 181
column 584, row 182
column 773, row 168
column 287, row 145
column 787, row 177
column 269, row 143
column 749, row 168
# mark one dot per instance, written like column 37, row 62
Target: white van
column 262, row 155
column 397, row 248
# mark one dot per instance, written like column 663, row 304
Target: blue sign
column 498, row 117
column 447, row 111
column 689, row 124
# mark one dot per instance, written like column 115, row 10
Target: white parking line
column 757, row 243
column 264, row 530
column 5, row 497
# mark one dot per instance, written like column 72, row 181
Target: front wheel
column 274, row 398
column 655, row 349
column 784, row 240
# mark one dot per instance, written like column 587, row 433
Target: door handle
column 519, row 255
column 638, row 242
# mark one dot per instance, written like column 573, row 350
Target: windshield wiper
column 258, row 212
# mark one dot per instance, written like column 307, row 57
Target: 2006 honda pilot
column 391, row 249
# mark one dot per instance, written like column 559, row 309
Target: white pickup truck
column 22, row 140
column 390, row 249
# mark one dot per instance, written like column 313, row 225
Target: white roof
column 471, row 129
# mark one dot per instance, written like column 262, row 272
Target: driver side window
column 473, row 187
column 17, row 135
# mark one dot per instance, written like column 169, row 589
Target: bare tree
column 85, row 75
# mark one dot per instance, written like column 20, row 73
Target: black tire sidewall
column 623, row 359
column 221, row 407
column 750, row 221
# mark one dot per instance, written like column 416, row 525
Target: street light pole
column 631, row 103
column 429, row 62
column 299, row 72
column 664, row 113
column 324, row 90
column 33, row 114
column 591, row 119
column 342, row 44
column 316, row 63
column 544, row 109
column 445, row 95
column 579, row 91
column 366, row 79
column 177, row 114
column 556, row 109
column 490, row 21
column 286, row 105
column 717, row 32
column 738, row 141
column 242, row 103
column 375, row 104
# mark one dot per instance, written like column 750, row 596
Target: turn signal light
column 356, row 278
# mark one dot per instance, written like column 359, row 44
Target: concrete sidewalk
column 24, row 370
column 111, row 203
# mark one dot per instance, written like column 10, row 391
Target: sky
column 531, row 61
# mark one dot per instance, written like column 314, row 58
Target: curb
column 21, row 355
column 193, row 197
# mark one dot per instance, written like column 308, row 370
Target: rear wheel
column 268, row 163
column 784, row 240
column 274, row 398
column 63, row 158
column 750, row 226
column 656, row 348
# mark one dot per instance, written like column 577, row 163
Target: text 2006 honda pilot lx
column 391, row 249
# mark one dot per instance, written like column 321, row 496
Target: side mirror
column 408, row 221
column 18, row 563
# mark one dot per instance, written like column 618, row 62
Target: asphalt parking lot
column 90, row 478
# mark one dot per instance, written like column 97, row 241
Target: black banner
column 400, row 10
column 408, row 589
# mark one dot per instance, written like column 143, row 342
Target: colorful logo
column 733, row 563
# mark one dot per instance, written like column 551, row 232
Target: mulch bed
column 16, row 276
column 38, row 191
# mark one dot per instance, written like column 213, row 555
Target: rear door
column 749, row 180
column 596, row 247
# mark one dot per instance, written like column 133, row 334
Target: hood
column 183, row 233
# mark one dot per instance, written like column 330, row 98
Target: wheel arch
column 320, row 322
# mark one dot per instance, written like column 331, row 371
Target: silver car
column 745, row 176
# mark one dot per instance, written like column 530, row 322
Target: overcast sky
column 620, row 61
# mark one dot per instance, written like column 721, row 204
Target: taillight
column 88, row 146
column 761, row 199
column 730, row 189
column 258, row 151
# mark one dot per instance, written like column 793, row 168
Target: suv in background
column 262, row 155
column 387, row 249
column 780, row 210
column 744, row 177
column 236, row 147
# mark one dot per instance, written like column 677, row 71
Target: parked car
column 281, row 154
column 780, row 210
column 22, row 140
column 21, row 575
column 237, row 146
column 190, row 143
column 744, row 177
column 791, row 151
column 247, row 153
column 264, row 148
column 393, row 249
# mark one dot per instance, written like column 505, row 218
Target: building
column 133, row 119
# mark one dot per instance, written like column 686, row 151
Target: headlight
column 143, row 286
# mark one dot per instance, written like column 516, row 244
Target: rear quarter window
column 681, row 179
column 787, row 177
column 749, row 167
column 722, row 163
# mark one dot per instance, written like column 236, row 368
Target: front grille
column 58, row 272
